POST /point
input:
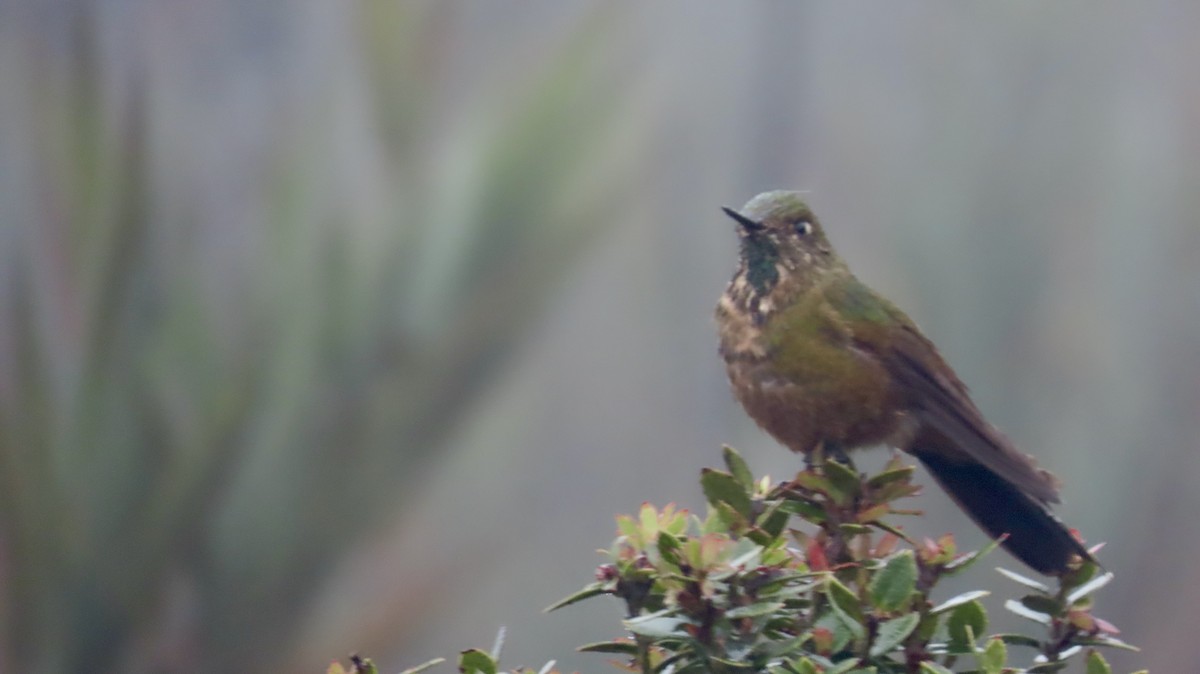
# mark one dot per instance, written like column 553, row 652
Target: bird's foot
column 828, row 451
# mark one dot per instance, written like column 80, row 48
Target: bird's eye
column 804, row 228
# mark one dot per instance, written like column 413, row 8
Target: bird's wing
column 937, row 396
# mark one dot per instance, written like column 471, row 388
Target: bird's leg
column 837, row 548
column 827, row 450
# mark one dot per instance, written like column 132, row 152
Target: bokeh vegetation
column 192, row 435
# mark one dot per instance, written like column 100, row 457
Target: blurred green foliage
column 197, row 418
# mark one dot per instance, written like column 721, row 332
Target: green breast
column 826, row 343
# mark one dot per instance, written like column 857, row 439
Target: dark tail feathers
column 1034, row 535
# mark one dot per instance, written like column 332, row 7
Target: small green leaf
column 627, row 527
column 893, row 633
column 746, row 554
column 773, row 520
column 844, row 667
column 1017, row 607
column 897, row 532
column 804, row 510
column 895, row 582
column 720, row 487
column 1027, row 582
column 845, row 602
column 588, row 592
column 841, row 631
column 844, row 479
column 668, row 548
column 959, row 600
column 738, row 468
column 993, row 657
column 1042, row 604
column 648, row 518
column 656, row 625
column 806, row 666
column 754, row 610
column 1088, row 588
column 475, row 660
column 729, row 518
column 1109, row 642
column 813, row 481
column 934, row 668
column 960, row 564
column 624, row 647
column 1019, row 640
column 929, row 626
column 966, row 622
column 1096, row 664
column 903, row 473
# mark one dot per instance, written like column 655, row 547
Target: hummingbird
column 822, row 362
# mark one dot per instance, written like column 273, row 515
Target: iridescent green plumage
column 818, row 359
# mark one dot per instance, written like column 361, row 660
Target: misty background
column 350, row 326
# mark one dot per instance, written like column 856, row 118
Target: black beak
column 746, row 223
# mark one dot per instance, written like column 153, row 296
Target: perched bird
column 819, row 360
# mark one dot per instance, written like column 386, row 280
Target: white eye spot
column 804, row 228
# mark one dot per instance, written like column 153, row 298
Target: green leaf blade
column 895, row 583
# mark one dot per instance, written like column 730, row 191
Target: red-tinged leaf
column 873, row 514
column 886, row 544
column 948, row 546
column 1105, row 626
column 1082, row 620
column 822, row 640
column 930, row 546
column 815, row 554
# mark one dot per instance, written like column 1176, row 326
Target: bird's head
column 781, row 238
